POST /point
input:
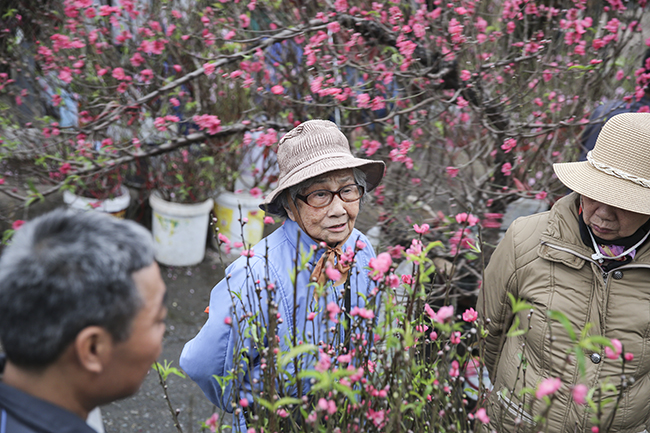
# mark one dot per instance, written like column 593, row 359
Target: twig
column 174, row 413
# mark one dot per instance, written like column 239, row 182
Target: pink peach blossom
column 445, row 313
column 616, row 352
column 423, row 229
column 454, row 370
column 482, row 416
column 548, row 386
column 432, row 314
column 470, row 315
column 579, row 393
column 17, row 224
column 332, row 273
column 333, row 309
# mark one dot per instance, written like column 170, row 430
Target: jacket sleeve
column 493, row 304
column 216, row 348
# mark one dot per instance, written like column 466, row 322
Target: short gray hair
column 293, row 191
column 65, row 271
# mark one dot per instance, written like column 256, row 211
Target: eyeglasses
column 323, row 197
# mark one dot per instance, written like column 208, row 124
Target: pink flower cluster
column 444, row 313
column 362, row 312
column 380, row 265
column 209, row 122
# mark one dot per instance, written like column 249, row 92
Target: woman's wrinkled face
column 608, row 222
column 331, row 224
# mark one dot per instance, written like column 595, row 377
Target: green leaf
column 514, row 332
column 599, row 339
column 166, row 369
column 286, row 358
column 285, row 401
column 518, row 304
column 9, row 14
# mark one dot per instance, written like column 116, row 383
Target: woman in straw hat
column 320, row 188
column 589, row 259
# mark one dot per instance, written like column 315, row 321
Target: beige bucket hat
column 314, row 148
column 617, row 170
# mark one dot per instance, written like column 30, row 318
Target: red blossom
column 212, row 422
column 482, row 416
column 423, row 229
column 255, row 192
column 615, row 352
column 209, row 68
column 332, row 273
column 509, row 144
column 334, row 27
column 471, row 220
column 452, row 171
column 380, row 265
column 65, row 168
column 209, row 122
column 17, row 224
column 470, row 315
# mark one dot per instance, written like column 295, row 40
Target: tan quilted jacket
column 542, row 260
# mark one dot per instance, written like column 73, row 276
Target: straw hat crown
column 314, row 148
column 617, row 170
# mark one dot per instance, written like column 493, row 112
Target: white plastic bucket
column 226, row 209
column 115, row 206
column 179, row 231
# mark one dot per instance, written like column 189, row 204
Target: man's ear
column 93, row 347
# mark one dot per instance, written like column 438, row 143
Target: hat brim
column 586, row 180
column 374, row 171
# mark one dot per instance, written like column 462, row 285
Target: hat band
column 617, row 173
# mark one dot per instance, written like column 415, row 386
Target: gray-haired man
column 81, row 319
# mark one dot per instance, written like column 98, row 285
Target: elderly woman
column 589, row 259
column 319, row 192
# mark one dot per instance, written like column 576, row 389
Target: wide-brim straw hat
column 314, row 148
column 617, row 170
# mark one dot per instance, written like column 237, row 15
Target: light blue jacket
column 211, row 351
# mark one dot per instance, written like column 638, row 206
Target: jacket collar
column 38, row 414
